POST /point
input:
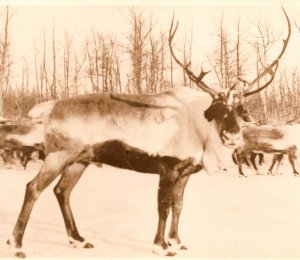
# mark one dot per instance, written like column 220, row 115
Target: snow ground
column 223, row 215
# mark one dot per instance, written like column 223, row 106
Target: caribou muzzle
column 231, row 139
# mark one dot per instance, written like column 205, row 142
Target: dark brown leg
column 177, row 202
column 261, row 158
column 52, row 167
column 25, row 160
column 164, row 206
column 252, row 160
column 62, row 192
column 292, row 159
column 240, row 163
column 276, row 158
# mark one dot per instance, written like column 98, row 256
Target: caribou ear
column 243, row 113
column 215, row 111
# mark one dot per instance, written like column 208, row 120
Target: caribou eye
column 225, row 137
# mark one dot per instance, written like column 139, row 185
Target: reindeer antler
column 186, row 67
column 271, row 69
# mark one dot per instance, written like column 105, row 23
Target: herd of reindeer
column 173, row 134
column 257, row 140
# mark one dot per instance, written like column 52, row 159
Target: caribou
column 276, row 140
column 21, row 141
column 245, row 157
column 23, row 153
column 173, row 134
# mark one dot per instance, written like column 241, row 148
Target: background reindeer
column 276, row 140
column 20, row 141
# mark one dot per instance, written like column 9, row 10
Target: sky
column 32, row 20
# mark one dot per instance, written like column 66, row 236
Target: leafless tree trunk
column 53, row 86
column 78, row 65
column 162, row 78
column 265, row 40
column 226, row 59
column 5, row 61
column 43, row 77
column 37, row 82
column 137, row 47
column 66, row 62
column 103, row 63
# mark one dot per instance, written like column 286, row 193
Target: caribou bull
column 173, row 134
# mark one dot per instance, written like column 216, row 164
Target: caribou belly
column 121, row 155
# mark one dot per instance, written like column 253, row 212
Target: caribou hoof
column 20, row 254
column 88, row 245
column 175, row 245
column 77, row 244
column 16, row 251
column 183, row 247
column 159, row 250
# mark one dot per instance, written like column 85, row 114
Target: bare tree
column 5, row 60
column 53, row 85
column 103, row 63
column 41, row 74
column 137, row 48
column 67, row 65
column 265, row 39
column 78, row 66
column 226, row 60
column 93, row 54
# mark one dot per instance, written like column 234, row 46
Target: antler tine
column 269, row 70
column 191, row 75
column 272, row 73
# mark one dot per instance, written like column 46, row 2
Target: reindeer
column 24, row 153
column 21, row 140
column 174, row 134
column 276, row 140
column 249, row 156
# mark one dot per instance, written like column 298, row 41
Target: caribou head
column 227, row 110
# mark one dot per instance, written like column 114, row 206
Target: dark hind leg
column 62, row 191
column 52, row 167
column 252, row 160
column 24, row 160
column 164, row 206
column 170, row 194
column 292, row 158
column 177, row 202
column 276, row 158
column 261, row 158
column 239, row 158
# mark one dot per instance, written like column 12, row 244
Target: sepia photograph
column 149, row 129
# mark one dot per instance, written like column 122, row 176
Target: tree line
column 141, row 64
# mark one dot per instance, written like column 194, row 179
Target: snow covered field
column 223, row 215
